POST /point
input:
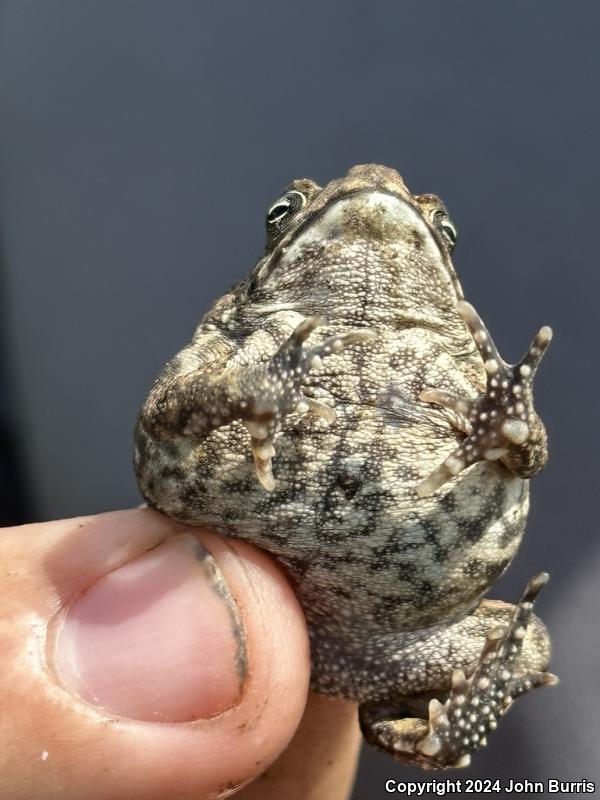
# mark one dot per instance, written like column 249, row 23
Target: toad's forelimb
column 500, row 424
column 260, row 393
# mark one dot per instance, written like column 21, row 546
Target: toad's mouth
column 379, row 217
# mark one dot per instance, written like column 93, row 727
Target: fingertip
column 205, row 742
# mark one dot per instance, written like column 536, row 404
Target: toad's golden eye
column 283, row 210
column 446, row 227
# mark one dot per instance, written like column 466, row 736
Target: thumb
column 145, row 660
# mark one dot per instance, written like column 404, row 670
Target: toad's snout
column 372, row 216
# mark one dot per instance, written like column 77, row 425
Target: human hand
column 141, row 658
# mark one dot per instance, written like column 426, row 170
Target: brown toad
column 345, row 409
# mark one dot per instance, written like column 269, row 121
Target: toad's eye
column 446, row 227
column 283, row 210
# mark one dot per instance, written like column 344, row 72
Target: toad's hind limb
column 473, row 706
column 260, row 393
column 502, row 422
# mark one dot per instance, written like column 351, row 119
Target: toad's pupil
column 449, row 231
column 279, row 212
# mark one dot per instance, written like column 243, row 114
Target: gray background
column 140, row 144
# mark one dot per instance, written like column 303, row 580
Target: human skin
column 113, row 687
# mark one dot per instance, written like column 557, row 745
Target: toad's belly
column 361, row 546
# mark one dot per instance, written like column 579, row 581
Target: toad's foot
column 460, row 725
column 278, row 391
column 502, row 422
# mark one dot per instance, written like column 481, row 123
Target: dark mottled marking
column 334, row 561
column 498, row 499
column 341, row 592
column 330, row 531
column 194, row 494
column 295, row 565
column 386, row 610
column 172, row 470
column 425, row 594
column 448, row 502
column 404, row 570
column 239, row 486
column 171, row 447
column 432, row 533
column 349, row 484
column 416, row 239
column 472, row 529
column 510, row 533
